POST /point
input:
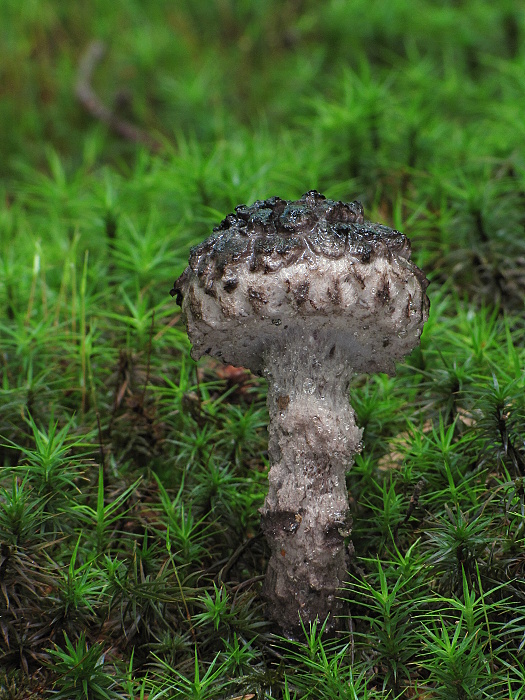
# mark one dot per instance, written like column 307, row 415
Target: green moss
column 130, row 548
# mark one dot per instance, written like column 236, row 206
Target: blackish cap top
column 275, row 233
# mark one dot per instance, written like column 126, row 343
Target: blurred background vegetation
column 390, row 75
column 416, row 113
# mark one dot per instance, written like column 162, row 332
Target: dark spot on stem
column 256, row 298
column 282, row 402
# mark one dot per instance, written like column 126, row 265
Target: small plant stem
column 73, row 269
column 44, row 288
column 36, row 270
column 489, row 636
column 100, row 442
column 148, row 361
column 66, row 278
column 83, row 285
column 188, row 616
column 61, row 293
column 413, row 504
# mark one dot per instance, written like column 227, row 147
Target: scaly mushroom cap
column 313, row 267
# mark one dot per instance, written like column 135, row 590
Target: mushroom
column 305, row 293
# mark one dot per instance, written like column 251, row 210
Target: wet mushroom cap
column 312, row 268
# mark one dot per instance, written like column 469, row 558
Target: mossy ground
column 130, row 553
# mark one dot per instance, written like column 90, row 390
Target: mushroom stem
column 312, row 442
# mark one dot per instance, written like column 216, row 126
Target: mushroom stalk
column 312, row 442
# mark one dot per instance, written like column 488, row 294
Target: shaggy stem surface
column 312, row 442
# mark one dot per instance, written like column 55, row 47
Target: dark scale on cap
column 275, row 233
column 230, row 285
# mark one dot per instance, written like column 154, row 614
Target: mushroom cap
column 278, row 270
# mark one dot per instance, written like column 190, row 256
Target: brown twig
column 101, row 446
column 148, row 363
column 414, row 499
column 92, row 103
column 223, row 573
column 413, row 504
